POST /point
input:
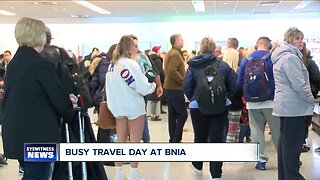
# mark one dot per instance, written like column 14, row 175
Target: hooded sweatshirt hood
column 284, row 50
column 201, row 60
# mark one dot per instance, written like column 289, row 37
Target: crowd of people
column 136, row 85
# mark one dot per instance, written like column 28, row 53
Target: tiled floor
column 181, row 170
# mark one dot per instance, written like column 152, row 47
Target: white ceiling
column 151, row 10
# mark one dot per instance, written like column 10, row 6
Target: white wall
column 77, row 36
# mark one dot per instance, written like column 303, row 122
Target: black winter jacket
column 314, row 76
column 2, row 70
column 65, row 65
column 98, row 81
column 33, row 102
column 201, row 61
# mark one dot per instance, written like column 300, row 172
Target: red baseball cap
column 156, row 48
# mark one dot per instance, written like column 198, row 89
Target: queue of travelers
column 267, row 82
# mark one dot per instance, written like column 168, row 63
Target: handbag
column 106, row 120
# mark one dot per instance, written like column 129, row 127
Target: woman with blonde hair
column 33, row 84
column 292, row 88
column 125, row 87
column 207, row 128
column 231, row 56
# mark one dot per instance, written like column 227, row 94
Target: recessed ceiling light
column 45, row 3
column 93, row 7
column 270, row 4
column 79, row 16
column 198, row 5
column 7, row 13
column 225, row 3
column 303, row 4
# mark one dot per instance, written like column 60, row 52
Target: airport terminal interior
column 79, row 26
column 182, row 171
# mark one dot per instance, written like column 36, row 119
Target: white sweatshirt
column 125, row 88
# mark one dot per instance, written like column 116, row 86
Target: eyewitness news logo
column 40, row 152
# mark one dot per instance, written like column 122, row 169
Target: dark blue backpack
column 256, row 86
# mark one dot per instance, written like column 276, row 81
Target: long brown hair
column 304, row 54
column 124, row 48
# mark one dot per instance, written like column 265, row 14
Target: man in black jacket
column 65, row 65
column 3, row 67
column 153, row 99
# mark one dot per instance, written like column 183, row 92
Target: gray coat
column 293, row 95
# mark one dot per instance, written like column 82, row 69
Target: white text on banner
column 152, row 152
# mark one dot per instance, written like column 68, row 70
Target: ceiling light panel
column 228, row 8
column 303, row 4
column 150, row 8
column 265, row 7
column 198, row 5
column 245, row 7
column 93, row 7
column 7, row 13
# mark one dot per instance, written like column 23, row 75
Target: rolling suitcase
column 81, row 136
column 78, row 130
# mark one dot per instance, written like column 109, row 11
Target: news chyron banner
column 145, row 152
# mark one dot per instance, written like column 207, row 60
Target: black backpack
column 211, row 92
column 80, row 84
column 72, row 80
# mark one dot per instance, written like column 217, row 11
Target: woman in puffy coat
column 97, row 85
column 212, row 127
column 292, row 87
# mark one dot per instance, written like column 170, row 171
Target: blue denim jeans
column 146, row 133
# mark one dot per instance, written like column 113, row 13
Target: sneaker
column 197, row 171
column 261, row 166
column 3, row 160
column 21, row 170
column 156, row 118
column 163, row 112
column 248, row 139
column 317, row 149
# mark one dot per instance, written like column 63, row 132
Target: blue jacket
column 255, row 56
column 199, row 62
column 98, row 81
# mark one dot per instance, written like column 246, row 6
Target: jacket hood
column 284, row 50
column 201, row 60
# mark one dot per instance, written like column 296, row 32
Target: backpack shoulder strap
column 216, row 63
column 266, row 55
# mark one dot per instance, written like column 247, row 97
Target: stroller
column 79, row 130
